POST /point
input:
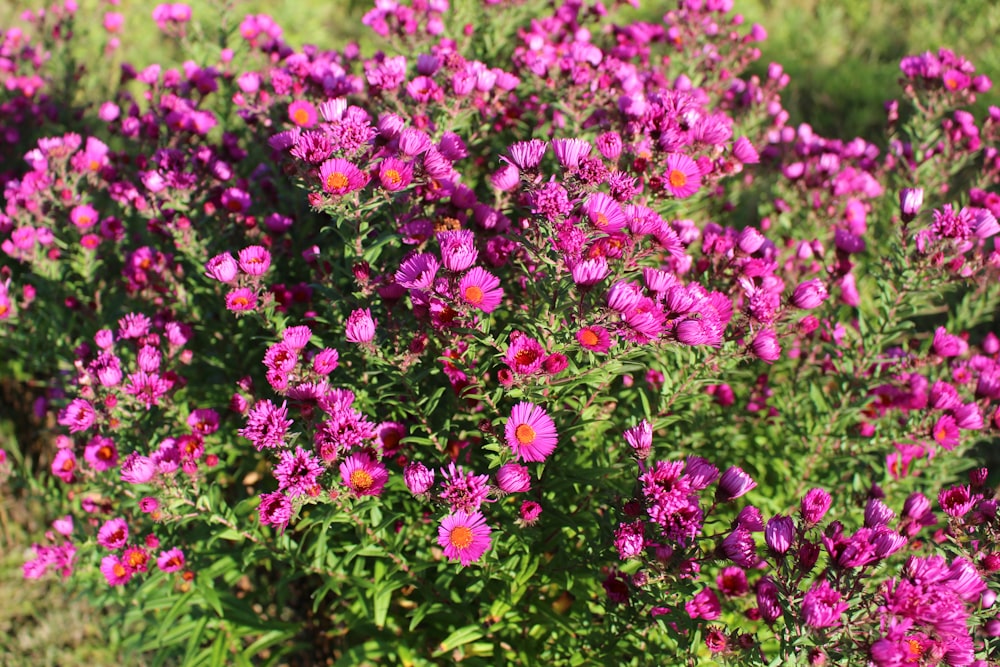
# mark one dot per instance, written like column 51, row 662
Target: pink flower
column 821, row 606
column 480, row 289
column 115, row 571
column 464, row 537
column 530, row 432
column 360, row 326
column 363, row 475
column 222, row 267
column 682, row 178
column 113, row 534
column 83, row 216
column 170, row 560
column 704, row 605
column 241, row 300
column 254, row 260
column 340, row 177
column 594, row 338
column 513, row 478
column 302, row 113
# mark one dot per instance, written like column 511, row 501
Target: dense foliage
column 539, row 336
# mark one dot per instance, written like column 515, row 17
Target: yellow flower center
column 119, row 570
column 461, row 537
column 601, row 221
column 300, row 116
column 336, row 181
column 393, row 177
column 361, row 480
column 677, row 178
column 241, row 302
column 524, row 434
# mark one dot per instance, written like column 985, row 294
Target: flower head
column 530, row 432
column 480, row 289
column 464, row 537
column 339, row 177
column 682, row 178
column 363, row 475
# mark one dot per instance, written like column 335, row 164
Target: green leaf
column 460, row 637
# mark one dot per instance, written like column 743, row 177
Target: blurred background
column 843, row 59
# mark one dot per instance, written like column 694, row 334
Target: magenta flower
column 630, row 540
column 526, row 154
column 815, row 505
column 297, row 472
column 241, row 300
column 464, row 537
column 704, row 605
column 910, row 201
column 594, row 338
column 821, row 606
column 417, row 271
column 604, row 213
column 569, row 151
column 222, row 267
column 360, row 326
column 170, row 560
column 530, row 511
column 524, row 354
column 640, row 439
column 778, row 534
column 363, row 475
column 480, row 289
column 275, row 510
column 458, row 249
column 394, row 174
column 79, row 415
column 113, row 534
column 83, row 216
column 115, row 571
column 138, row 469
column 254, row 260
column 530, row 432
column 340, row 177
column 682, row 177
column 419, row 479
column 765, row 346
column 734, row 483
column 326, row 361
column 513, row 478
column 267, row 425
column 302, row 113
column 810, row 294
column 589, row 272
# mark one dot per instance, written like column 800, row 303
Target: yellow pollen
column 336, row 181
column 361, row 480
column 393, row 177
column 4, row 309
column 68, row 465
column 300, row 116
column 461, row 537
column 136, row 558
column 677, row 178
column 524, row 434
column 473, row 295
column 602, row 220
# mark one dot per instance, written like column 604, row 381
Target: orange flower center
column 300, row 116
column 119, row 570
column 336, row 181
column 473, row 295
column 524, row 434
column 241, row 301
column 677, row 178
column 392, row 176
column 94, row 165
column 361, row 480
column 136, row 558
column 601, row 221
column 68, row 465
column 104, row 453
column 4, row 309
column 461, row 537
column 525, row 357
column 589, row 337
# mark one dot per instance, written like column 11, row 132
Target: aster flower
column 464, row 537
column 682, row 177
column 417, row 271
column 458, row 249
column 704, row 605
column 79, row 415
column 778, row 534
column 360, row 326
column 254, row 260
column 524, row 354
column 810, row 294
column 241, row 300
column 640, row 439
column 821, row 606
column 604, row 213
column 101, row 453
column 630, row 540
column 339, row 177
column 530, row 432
column 463, row 490
column 513, row 478
column 526, row 154
column 170, row 560
column 113, row 534
column 734, row 483
column 325, row 361
column 394, row 174
column 363, row 475
column 297, row 472
column 419, row 479
column 594, row 338
column 480, row 289
column 114, row 571
column 267, row 425
column 529, row 511
column 569, row 151
column 275, row 509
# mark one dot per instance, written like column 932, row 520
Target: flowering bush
column 549, row 343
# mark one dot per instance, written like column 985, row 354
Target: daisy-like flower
column 524, row 354
column 302, row 113
column 480, row 289
column 589, row 272
column 604, row 213
column 115, row 571
column 275, row 510
column 297, row 472
column 394, row 174
column 363, row 475
column 170, row 560
column 241, row 300
column 101, row 453
column 113, row 534
column 569, row 151
column 339, row 177
column 682, row 177
column 464, row 537
column 526, row 154
column 595, row 338
column 222, row 267
column 458, row 249
column 530, row 432
column 418, row 271
column 360, row 326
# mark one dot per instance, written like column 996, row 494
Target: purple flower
column 418, row 478
column 910, row 201
column 630, row 539
column 810, row 294
column 513, row 478
column 778, row 534
column 360, row 326
column 640, row 439
column 739, row 547
column 275, row 510
column 821, row 606
column 526, row 154
column 734, row 483
column 464, row 537
column 815, row 505
column 765, row 346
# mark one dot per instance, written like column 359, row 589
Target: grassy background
column 843, row 59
